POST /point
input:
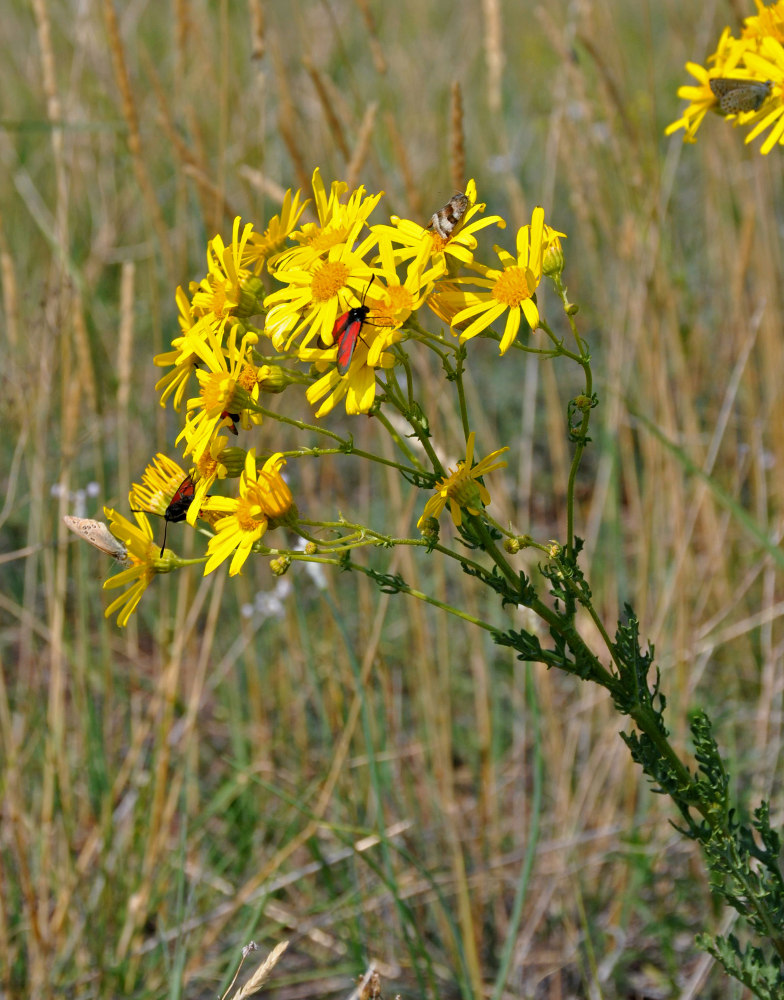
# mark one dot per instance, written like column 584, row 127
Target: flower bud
column 274, row 378
column 428, row 527
column 234, row 460
column 553, row 258
column 251, row 297
column 280, row 565
column 289, row 518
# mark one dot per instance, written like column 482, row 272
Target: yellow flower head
column 768, row 22
column 263, row 496
column 510, row 289
column 338, row 224
column 358, row 385
column 745, row 83
column 160, row 481
column 424, row 245
column 228, row 385
column 144, row 557
column 267, row 246
column 395, row 301
column 461, row 489
column 210, row 466
column 313, row 299
column 176, row 381
column 229, row 289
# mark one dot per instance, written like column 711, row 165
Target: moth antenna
column 367, row 289
column 165, row 529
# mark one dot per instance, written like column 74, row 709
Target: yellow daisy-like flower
column 143, row 554
column 227, row 386
column 422, row 245
column 176, row 381
column 768, row 22
column 461, row 489
column 266, row 246
column 264, row 496
column 767, row 65
column 229, row 288
column 511, row 289
column 160, row 481
column 448, row 299
column 394, row 302
column 208, row 468
column 338, row 223
column 313, row 299
column 734, row 60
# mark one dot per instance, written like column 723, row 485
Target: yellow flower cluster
column 346, row 296
column 744, row 82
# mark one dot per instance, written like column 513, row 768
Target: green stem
column 347, row 446
column 421, row 596
column 459, row 369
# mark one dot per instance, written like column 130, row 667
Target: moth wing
column 347, row 341
column 97, row 534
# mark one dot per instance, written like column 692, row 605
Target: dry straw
column 260, row 976
column 457, row 159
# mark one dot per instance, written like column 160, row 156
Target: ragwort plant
column 353, row 301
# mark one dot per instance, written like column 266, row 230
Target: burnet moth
column 739, row 95
column 347, row 329
column 98, row 535
column 235, row 419
column 178, row 506
column 445, row 219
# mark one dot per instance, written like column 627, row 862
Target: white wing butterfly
column 98, row 535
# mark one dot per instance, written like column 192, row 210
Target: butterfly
column 739, row 95
column 97, row 534
column 178, row 506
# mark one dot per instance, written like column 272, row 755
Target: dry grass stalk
column 261, row 974
column 328, row 108
column 210, row 194
column 457, row 158
column 258, row 44
column 494, row 53
column 287, row 117
column 376, row 51
column 413, row 194
column 361, row 147
column 182, row 27
column 134, row 136
column 10, row 290
column 258, row 180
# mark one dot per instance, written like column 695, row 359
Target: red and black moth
column 235, row 419
column 347, row 329
column 178, row 506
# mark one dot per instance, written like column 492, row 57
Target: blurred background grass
column 339, row 768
